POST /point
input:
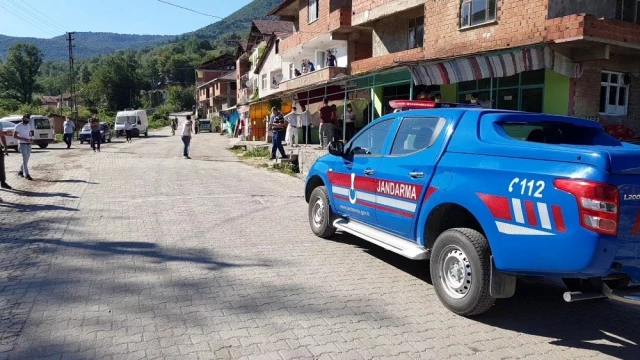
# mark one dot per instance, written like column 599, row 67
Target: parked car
column 41, row 127
column 138, row 120
column 488, row 195
column 85, row 133
column 205, row 125
column 7, row 130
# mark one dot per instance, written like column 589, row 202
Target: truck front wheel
column 320, row 214
column 461, row 270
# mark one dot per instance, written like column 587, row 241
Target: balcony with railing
column 315, row 77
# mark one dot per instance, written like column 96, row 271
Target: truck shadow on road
column 42, row 194
column 34, row 207
column 537, row 309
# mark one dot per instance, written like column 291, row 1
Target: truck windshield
column 557, row 133
column 42, row 124
column 123, row 119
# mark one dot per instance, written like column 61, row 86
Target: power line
column 32, row 16
column 27, row 21
column 195, row 11
column 45, row 18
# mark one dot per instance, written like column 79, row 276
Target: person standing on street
column 96, row 137
column 187, row 130
column 22, row 133
column 350, row 122
column 305, row 122
column 197, row 125
column 292, row 128
column 4, row 151
column 128, row 129
column 174, row 125
column 69, row 128
column 326, row 124
column 277, row 124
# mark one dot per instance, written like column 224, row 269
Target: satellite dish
column 248, row 83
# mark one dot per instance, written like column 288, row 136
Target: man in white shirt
column 305, row 122
column 22, row 133
column 128, row 128
column 69, row 128
column 187, row 130
column 292, row 127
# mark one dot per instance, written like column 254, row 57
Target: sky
column 53, row 18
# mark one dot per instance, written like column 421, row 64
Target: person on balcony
column 310, row 67
column 331, row 59
column 305, row 69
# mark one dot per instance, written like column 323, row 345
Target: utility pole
column 72, row 77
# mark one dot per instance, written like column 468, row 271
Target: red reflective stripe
column 339, row 179
column 636, row 225
column 531, row 213
column 430, row 192
column 558, row 219
column 498, row 205
column 340, row 197
column 365, row 184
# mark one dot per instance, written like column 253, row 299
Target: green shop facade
column 533, row 80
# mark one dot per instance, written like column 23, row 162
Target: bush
column 160, row 118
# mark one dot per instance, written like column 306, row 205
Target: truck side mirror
column 336, row 148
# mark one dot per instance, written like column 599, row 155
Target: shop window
column 416, row 32
column 313, row 10
column 524, row 91
column 628, row 10
column 477, row 12
column 614, row 93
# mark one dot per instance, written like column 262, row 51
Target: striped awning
column 492, row 65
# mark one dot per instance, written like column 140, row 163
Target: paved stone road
column 137, row 253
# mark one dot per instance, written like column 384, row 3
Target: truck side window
column 416, row 134
column 371, row 141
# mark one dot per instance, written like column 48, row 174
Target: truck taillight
column 598, row 204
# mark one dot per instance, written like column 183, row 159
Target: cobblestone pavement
column 137, row 253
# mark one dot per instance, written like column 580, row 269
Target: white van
column 138, row 120
column 41, row 127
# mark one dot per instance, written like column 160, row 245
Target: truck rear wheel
column 320, row 214
column 460, row 271
column 43, row 145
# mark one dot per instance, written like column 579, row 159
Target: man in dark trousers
column 278, row 125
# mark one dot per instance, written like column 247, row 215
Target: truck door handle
column 368, row 172
column 416, row 174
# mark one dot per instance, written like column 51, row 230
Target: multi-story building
column 221, row 71
column 553, row 56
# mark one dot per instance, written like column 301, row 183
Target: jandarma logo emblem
column 352, row 190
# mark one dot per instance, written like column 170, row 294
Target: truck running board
column 629, row 295
column 383, row 239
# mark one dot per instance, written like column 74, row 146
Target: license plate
column 43, row 135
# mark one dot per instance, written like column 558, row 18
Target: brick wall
column 518, row 23
column 327, row 20
column 369, row 10
column 385, row 61
column 587, row 90
column 390, row 34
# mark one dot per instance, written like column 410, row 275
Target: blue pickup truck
column 486, row 196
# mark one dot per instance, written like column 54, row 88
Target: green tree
column 181, row 97
column 116, row 81
column 85, row 74
column 19, row 71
